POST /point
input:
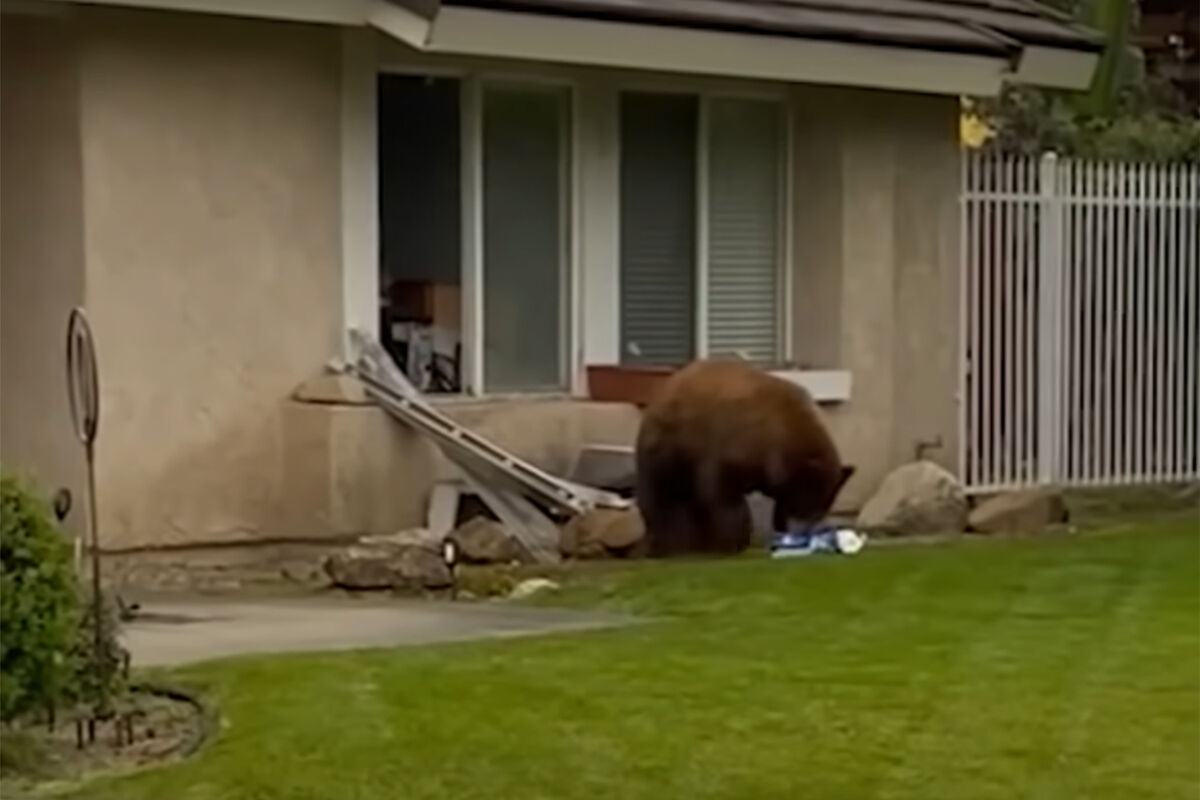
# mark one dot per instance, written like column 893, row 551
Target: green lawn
column 986, row 669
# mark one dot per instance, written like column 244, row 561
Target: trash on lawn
column 823, row 538
column 532, row 586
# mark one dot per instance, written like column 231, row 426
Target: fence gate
column 1081, row 322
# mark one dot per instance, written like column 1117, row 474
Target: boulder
column 409, row 537
column 482, row 540
column 410, row 569
column 916, row 499
column 1026, row 511
column 595, row 533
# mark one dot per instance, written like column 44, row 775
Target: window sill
column 452, row 400
column 825, row 385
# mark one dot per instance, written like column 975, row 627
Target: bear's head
column 810, row 493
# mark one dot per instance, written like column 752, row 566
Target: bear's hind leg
column 666, row 501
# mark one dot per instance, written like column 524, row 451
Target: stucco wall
column 41, row 248
column 875, row 268
column 211, row 193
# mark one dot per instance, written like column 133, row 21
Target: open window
column 420, row 228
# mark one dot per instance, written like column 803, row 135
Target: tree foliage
column 1126, row 114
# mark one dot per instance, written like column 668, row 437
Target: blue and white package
column 820, row 538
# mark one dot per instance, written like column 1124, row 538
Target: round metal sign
column 83, row 385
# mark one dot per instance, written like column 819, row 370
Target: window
column 700, row 209
column 525, row 298
column 487, row 211
column 420, row 232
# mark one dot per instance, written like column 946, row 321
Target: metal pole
column 83, row 389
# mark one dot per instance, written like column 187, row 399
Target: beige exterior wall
column 200, row 174
column 875, row 267
column 211, row 185
column 41, row 248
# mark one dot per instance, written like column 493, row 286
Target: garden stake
column 83, row 392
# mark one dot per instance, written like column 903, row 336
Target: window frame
column 594, row 203
column 705, row 92
column 472, row 84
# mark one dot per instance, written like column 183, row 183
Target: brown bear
column 716, row 431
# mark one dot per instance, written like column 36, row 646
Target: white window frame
column 705, row 92
column 361, row 234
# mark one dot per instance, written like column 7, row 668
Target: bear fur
column 716, row 431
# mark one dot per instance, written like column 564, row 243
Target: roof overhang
column 453, row 29
column 462, row 30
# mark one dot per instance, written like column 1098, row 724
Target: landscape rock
column 410, row 537
column 1026, row 511
column 920, row 498
column 409, row 569
column 532, row 586
column 482, row 540
column 596, row 533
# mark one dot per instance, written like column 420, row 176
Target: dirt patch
column 154, row 725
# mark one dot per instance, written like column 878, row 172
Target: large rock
column 1026, row 511
column 404, row 568
column 601, row 531
column 482, row 540
column 915, row 499
column 409, row 537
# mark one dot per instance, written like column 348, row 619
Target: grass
column 1055, row 668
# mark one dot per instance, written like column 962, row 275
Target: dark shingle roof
column 966, row 26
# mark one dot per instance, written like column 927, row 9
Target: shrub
column 39, row 605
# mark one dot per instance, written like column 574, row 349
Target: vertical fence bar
column 1105, row 334
column 1159, row 328
column 1087, row 310
column 988, row 361
column 1175, row 293
column 1058, row 375
column 1191, row 328
column 966, row 319
column 1020, row 265
column 1140, row 349
column 1009, row 259
column 1180, row 218
column 995, row 352
column 1122, row 327
column 1050, row 278
column 1030, row 214
column 1153, row 330
column 1074, row 313
column 1190, row 264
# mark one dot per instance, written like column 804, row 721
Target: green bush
column 39, row 605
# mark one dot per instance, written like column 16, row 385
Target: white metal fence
column 1081, row 322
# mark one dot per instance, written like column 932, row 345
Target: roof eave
column 460, row 30
column 1056, row 67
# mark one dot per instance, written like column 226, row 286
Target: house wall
column 41, row 248
column 875, row 267
column 211, row 191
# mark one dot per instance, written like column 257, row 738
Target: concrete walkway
column 177, row 631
